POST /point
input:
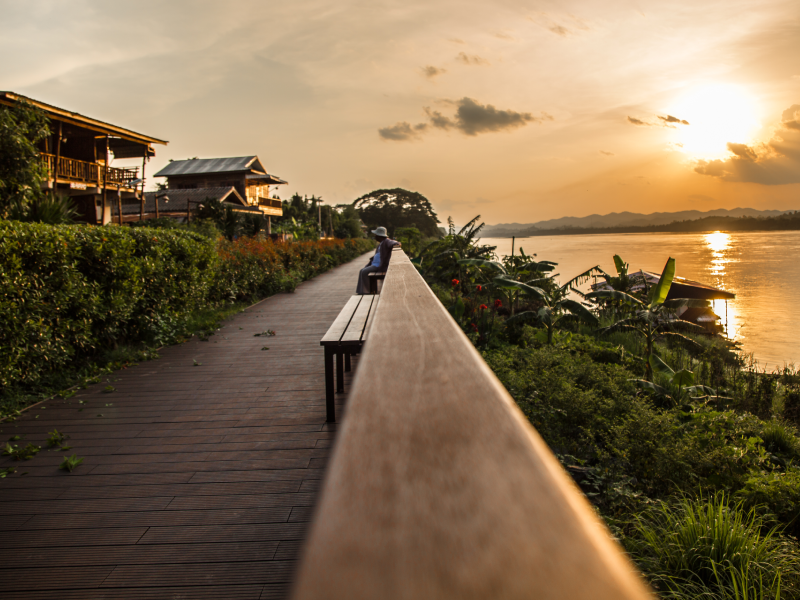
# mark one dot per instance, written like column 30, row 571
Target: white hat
column 381, row 232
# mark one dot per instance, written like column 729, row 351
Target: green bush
column 777, row 494
column 68, row 292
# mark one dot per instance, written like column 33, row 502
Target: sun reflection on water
column 718, row 242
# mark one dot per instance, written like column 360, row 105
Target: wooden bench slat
column 334, row 334
column 355, row 330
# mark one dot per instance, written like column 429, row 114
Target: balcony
column 71, row 170
column 271, row 206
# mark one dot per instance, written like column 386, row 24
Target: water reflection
column 718, row 242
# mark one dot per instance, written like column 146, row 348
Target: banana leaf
column 681, row 338
column 622, row 266
column 579, row 310
column 614, row 295
column 477, row 262
column 583, row 277
column 528, row 289
column 658, row 294
column 660, row 366
column 543, row 266
column 522, row 317
column 650, row 386
column 683, row 378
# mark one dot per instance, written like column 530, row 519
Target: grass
column 88, row 370
column 710, row 547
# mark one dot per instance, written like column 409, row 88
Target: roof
column 61, row 114
column 203, row 166
column 180, row 199
column 267, row 178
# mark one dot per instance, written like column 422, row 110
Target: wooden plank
column 438, row 486
column 355, row 330
column 335, row 331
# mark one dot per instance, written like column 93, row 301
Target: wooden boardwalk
column 197, row 481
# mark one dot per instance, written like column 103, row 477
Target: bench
column 344, row 338
column 373, row 281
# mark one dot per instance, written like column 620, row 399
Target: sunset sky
column 517, row 110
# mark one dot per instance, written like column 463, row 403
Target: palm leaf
column 650, row 386
column 583, row 277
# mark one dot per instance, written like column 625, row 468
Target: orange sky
column 517, row 110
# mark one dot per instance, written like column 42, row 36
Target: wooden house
column 78, row 154
column 245, row 174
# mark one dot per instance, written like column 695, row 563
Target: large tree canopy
column 397, row 208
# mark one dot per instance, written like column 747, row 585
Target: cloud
column 639, row 122
column 503, row 36
column 559, row 30
column 605, row 153
column 457, row 41
column 776, row 162
column 481, row 200
column 472, row 59
column 471, row 118
column 671, row 119
column 432, row 72
column 402, row 131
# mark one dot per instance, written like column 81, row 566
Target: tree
column 398, row 208
column 22, row 171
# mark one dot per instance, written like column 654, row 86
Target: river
column 761, row 268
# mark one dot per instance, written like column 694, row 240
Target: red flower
column 483, row 307
column 455, row 282
column 498, row 303
column 475, row 327
column 480, row 288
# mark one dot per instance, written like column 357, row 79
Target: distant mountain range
column 621, row 219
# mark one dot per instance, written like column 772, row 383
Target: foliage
column 777, row 494
column 411, row 238
column 22, row 172
column 70, row 463
column 393, row 208
column 47, row 208
column 302, row 218
column 68, row 293
column 714, row 548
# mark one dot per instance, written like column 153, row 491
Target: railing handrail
column 89, row 171
column 438, row 487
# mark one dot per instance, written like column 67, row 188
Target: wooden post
column 188, row 211
column 269, row 225
column 58, row 158
column 141, row 204
column 156, row 204
column 119, row 203
column 105, row 186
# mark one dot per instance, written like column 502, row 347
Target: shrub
column 69, row 291
column 777, row 494
column 712, row 548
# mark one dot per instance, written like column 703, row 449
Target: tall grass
column 714, row 549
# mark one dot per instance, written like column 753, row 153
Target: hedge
column 68, row 290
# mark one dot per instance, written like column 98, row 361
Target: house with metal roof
column 79, row 153
column 246, row 175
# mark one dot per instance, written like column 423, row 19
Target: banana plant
column 653, row 319
column 507, row 278
column 681, row 383
column 558, row 309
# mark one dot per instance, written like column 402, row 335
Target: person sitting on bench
column 379, row 262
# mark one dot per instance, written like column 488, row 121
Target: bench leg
column 330, row 407
column 339, row 372
column 347, row 362
column 373, row 285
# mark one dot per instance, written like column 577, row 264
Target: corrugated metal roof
column 267, row 178
column 175, row 200
column 201, row 166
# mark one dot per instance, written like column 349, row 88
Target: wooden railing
column 271, row 202
column 438, row 487
column 79, row 171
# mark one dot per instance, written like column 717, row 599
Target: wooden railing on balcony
column 438, row 487
column 79, row 171
column 271, row 202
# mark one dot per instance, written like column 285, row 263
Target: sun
column 717, row 114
